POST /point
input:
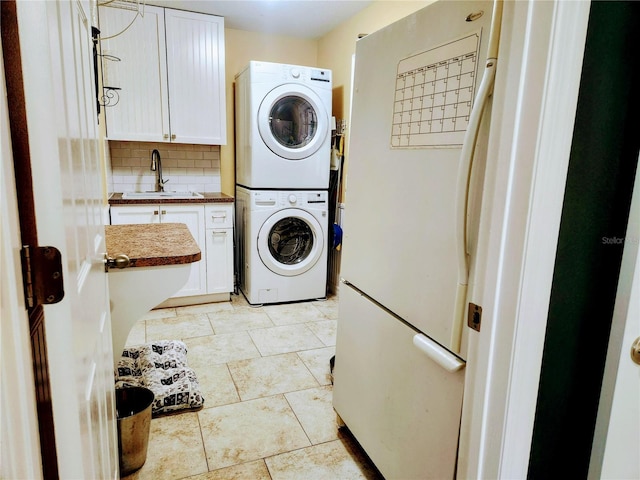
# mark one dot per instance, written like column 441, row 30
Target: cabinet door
column 195, row 63
column 219, row 260
column 135, row 214
column 141, row 112
column 193, row 217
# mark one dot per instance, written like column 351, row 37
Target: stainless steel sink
column 156, row 195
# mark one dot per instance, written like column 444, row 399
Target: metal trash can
column 133, row 410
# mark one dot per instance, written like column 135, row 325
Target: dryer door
column 290, row 242
column 293, row 122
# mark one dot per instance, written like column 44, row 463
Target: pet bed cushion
column 162, row 368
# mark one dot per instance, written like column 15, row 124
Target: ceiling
column 296, row 18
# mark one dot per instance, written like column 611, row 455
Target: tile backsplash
column 186, row 167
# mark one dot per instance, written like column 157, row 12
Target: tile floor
column 264, row 374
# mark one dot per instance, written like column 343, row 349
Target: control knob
column 292, row 198
column 295, row 73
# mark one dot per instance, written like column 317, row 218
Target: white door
column 616, row 442
column 56, row 48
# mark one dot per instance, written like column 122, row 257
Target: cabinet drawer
column 218, row 216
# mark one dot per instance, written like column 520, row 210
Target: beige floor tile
column 265, row 376
column 216, row 385
column 216, row 349
column 245, row 471
column 333, row 460
column 160, row 313
column 175, row 449
column 137, row 334
column 204, row 308
column 251, row 430
column 317, row 361
column 287, row 396
column 329, row 308
column 315, row 413
column 284, row 339
column 239, row 320
column 325, row 331
column 239, row 301
column 178, row 328
column 290, row 313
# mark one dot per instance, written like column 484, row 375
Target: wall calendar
column 434, row 95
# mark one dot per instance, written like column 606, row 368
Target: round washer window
column 293, row 122
column 290, row 241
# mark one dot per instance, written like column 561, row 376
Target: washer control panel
column 301, row 198
column 292, row 198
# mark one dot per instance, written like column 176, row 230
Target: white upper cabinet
column 142, row 111
column 195, row 67
column 170, row 75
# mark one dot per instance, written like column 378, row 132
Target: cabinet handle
column 219, row 232
column 166, row 136
column 164, row 212
column 173, row 136
column 155, row 212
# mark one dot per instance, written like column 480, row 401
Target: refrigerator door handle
column 464, row 174
column 438, row 354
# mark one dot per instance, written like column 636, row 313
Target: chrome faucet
column 156, row 166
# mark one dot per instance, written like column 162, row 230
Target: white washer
column 283, row 129
column 283, row 242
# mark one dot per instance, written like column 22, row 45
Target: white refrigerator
column 413, row 191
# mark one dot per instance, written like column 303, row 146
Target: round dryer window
column 290, row 242
column 292, row 121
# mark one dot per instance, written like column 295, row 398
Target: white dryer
column 283, row 242
column 283, row 129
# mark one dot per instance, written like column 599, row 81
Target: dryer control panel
column 303, row 199
column 306, row 74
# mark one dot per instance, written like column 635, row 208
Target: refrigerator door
column 403, row 407
column 414, row 85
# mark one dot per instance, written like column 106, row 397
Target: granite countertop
column 151, row 245
column 217, row 197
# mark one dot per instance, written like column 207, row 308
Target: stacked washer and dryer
column 283, row 141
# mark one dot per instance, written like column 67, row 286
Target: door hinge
column 42, row 273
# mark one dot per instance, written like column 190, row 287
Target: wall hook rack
column 110, row 96
column 111, row 58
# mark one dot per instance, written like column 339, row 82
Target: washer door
column 292, row 121
column 290, row 242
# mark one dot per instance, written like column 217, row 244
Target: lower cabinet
column 219, row 244
column 213, row 232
